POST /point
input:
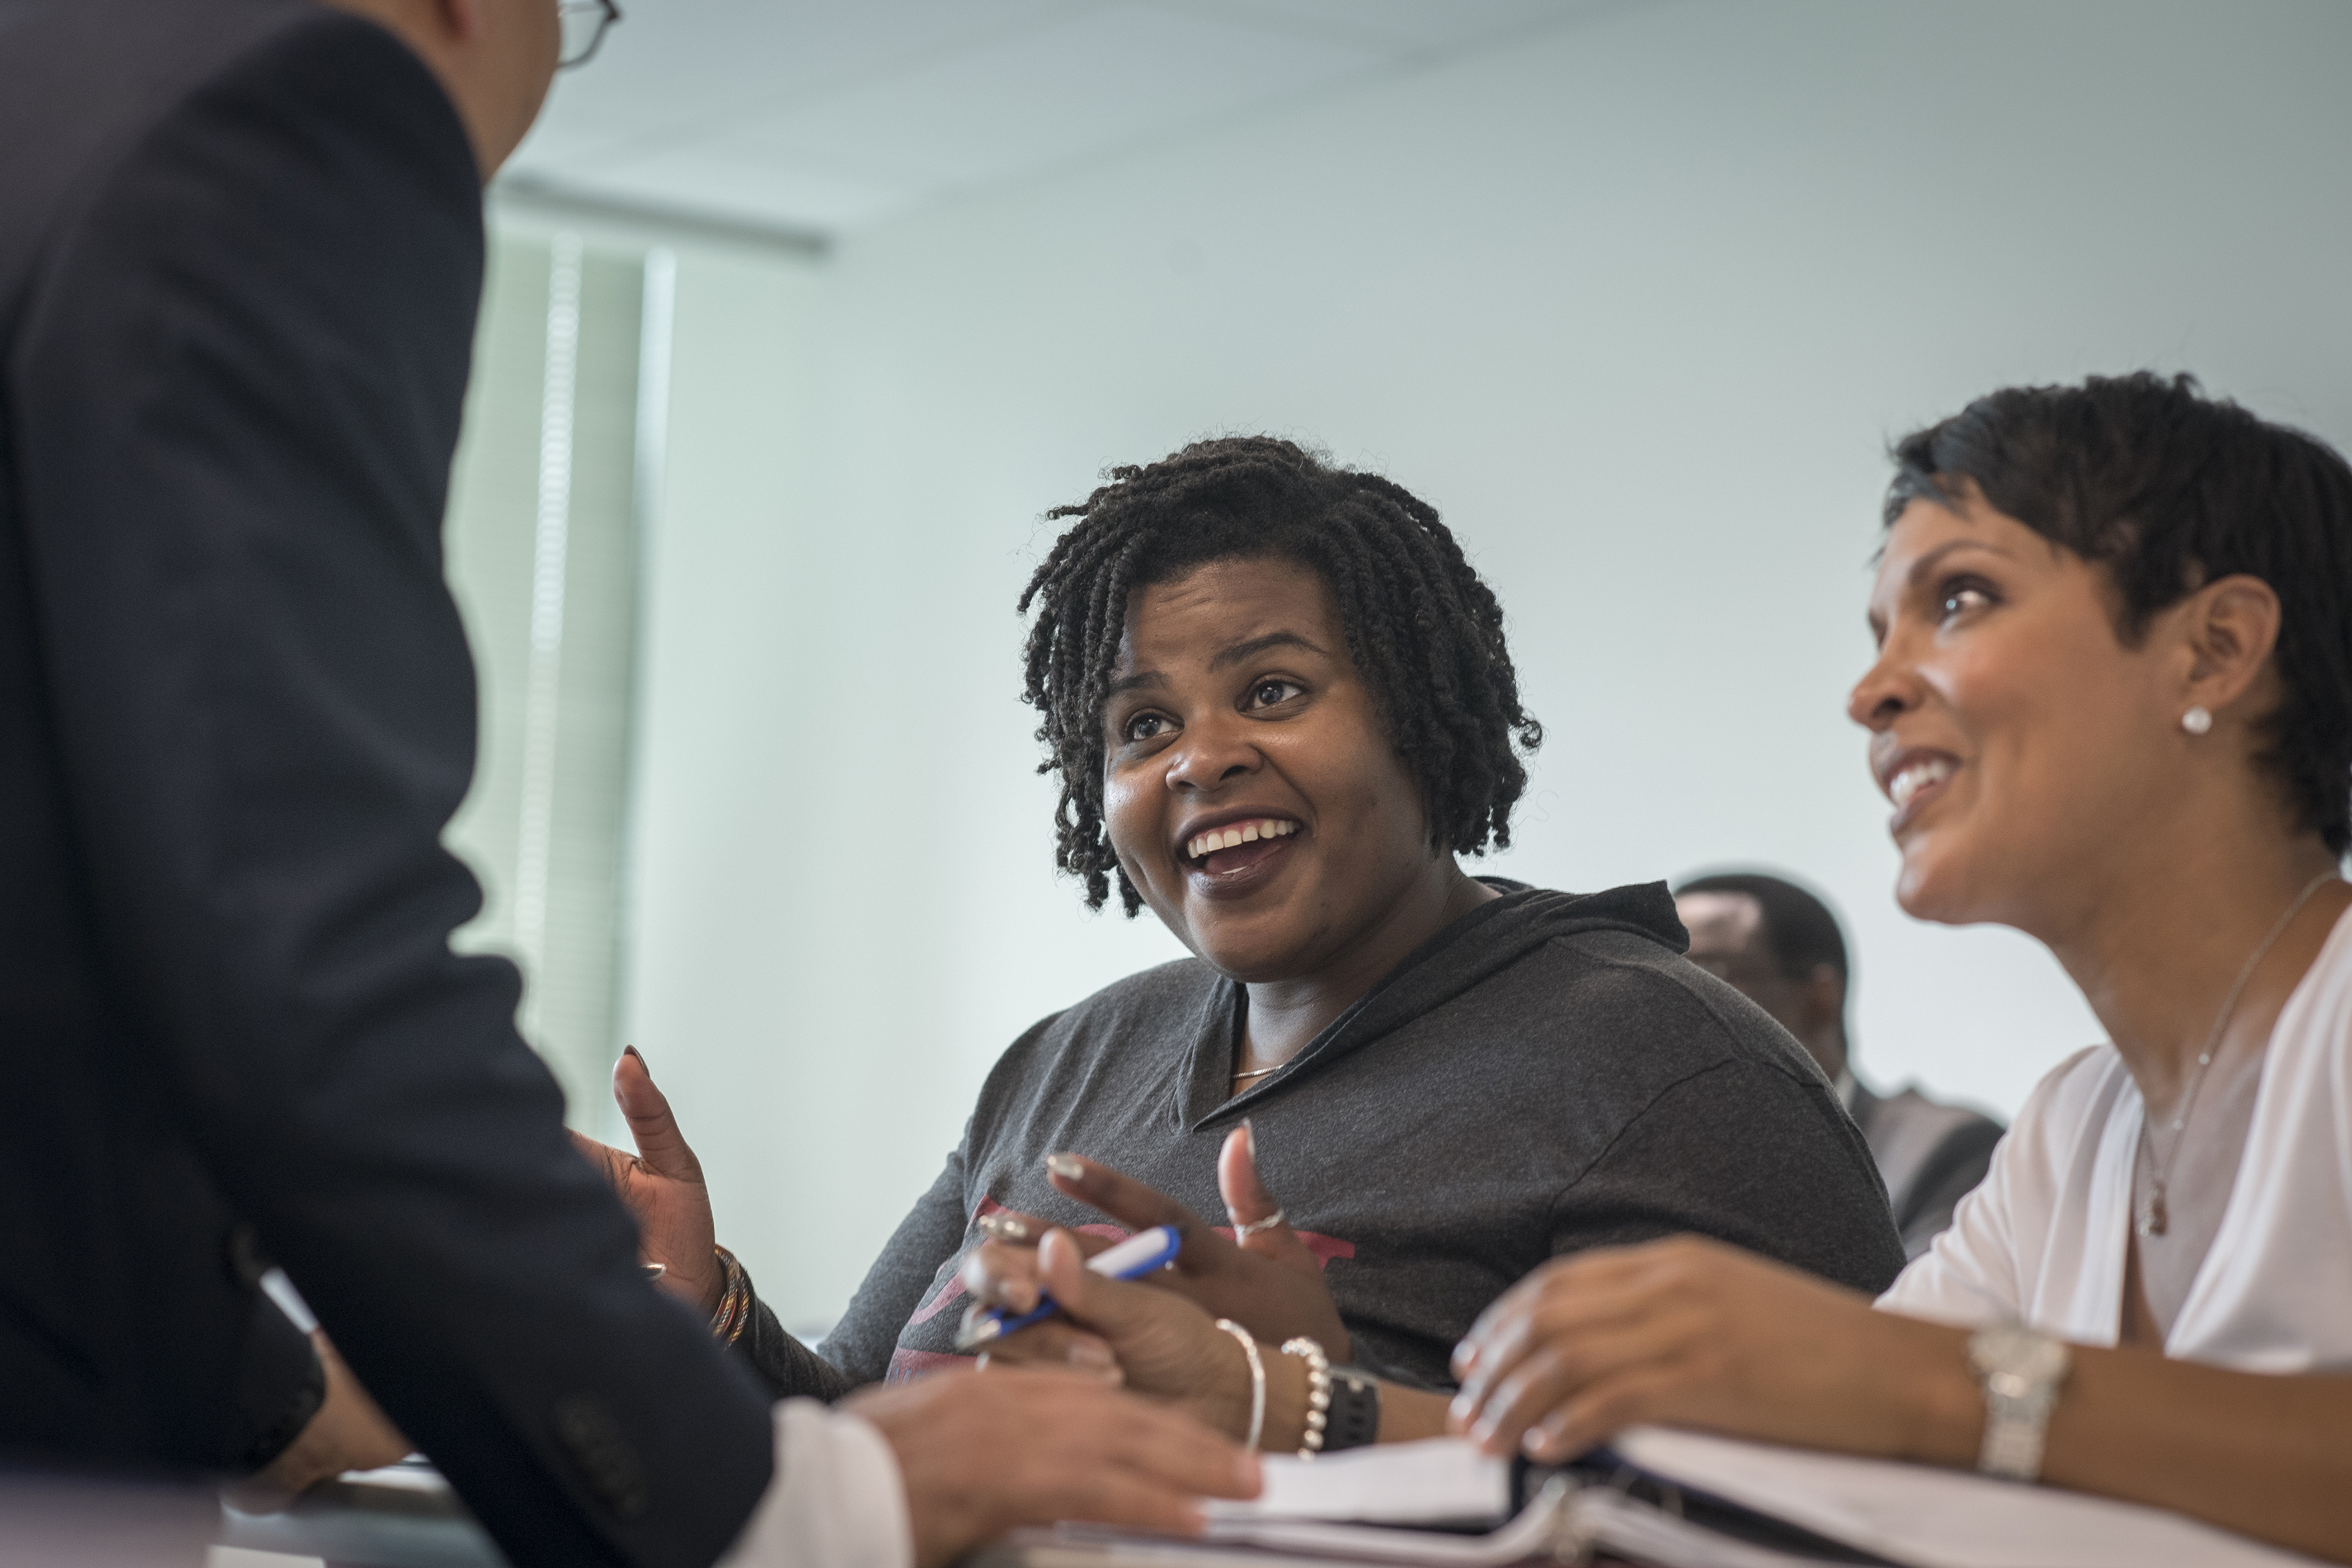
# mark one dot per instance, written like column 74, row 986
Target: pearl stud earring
column 2196, row 721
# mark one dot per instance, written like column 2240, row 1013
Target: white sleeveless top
column 2042, row 1240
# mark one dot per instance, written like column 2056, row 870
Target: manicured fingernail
column 1092, row 1356
column 633, row 1051
column 1067, row 1167
column 1246, row 1472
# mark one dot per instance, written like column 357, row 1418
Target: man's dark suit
column 240, row 251
column 1930, row 1155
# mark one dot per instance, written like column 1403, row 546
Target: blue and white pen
column 1138, row 1255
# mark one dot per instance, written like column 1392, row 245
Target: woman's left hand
column 1693, row 1332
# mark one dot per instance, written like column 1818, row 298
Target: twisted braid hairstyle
column 1424, row 631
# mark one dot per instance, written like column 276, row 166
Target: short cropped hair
column 1425, row 631
column 1799, row 929
column 2168, row 489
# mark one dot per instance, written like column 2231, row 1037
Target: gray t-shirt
column 1545, row 1075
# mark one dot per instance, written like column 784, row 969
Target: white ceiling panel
column 1057, row 94
column 677, row 68
column 819, row 116
column 807, row 202
column 1422, row 24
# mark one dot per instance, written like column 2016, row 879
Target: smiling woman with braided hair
column 1426, row 633
column 1281, row 706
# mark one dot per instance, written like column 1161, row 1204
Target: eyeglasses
column 585, row 22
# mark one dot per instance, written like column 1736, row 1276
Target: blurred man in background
column 1781, row 947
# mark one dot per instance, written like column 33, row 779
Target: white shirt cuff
column 836, row 1499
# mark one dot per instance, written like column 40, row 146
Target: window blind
column 553, row 474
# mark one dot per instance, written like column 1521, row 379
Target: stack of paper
column 1928, row 1518
column 1704, row 1502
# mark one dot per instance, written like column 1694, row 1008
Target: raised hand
column 985, row 1454
column 663, row 1186
column 1269, row 1280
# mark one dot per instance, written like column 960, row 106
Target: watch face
column 2018, row 1352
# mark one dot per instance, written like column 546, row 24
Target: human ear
column 2229, row 629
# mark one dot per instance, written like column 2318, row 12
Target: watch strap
column 2020, row 1372
column 1355, row 1414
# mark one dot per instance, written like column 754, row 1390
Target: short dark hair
column 1425, row 631
column 1799, row 929
column 2168, row 489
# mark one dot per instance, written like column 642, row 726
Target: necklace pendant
column 2151, row 1214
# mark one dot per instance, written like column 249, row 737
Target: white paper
column 1437, row 1480
column 1932, row 1518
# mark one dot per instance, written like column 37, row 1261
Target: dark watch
column 1355, row 1414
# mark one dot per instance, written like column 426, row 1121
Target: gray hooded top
column 1546, row 1075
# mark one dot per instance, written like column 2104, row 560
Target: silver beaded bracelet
column 1257, row 1379
column 1318, row 1392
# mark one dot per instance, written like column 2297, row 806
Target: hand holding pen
column 1139, row 1255
column 1267, row 1279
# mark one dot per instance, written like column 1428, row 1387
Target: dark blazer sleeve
column 1956, row 1168
column 249, row 354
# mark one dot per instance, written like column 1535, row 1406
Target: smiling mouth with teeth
column 1236, row 833
column 1915, row 778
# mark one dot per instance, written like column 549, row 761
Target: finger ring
column 1243, row 1232
column 1004, row 1227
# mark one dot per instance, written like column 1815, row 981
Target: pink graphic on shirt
column 907, row 1364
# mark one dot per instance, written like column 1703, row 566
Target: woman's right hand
column 1268, row 1279
column 1158, row 1343
column 662, row 1186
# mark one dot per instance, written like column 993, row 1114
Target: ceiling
column 817, row 117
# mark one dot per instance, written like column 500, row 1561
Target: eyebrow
column 1225, row 658
column 1257, row 646
column 1125, row 684
column 1926, row 563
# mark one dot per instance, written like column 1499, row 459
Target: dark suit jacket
column 1931, row 1156
column 240, row 252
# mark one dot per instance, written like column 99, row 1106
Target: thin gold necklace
column 1262, row 1071
column 2153, row 1216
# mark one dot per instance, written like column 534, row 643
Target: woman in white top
column 2113, row 707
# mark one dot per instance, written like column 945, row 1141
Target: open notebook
column 1672, row 1498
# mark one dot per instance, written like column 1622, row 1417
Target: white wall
column 1635, row 305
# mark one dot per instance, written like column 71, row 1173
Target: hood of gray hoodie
column 1548, row 1073
column 1491, row 937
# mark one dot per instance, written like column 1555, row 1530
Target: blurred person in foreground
column 1780, row 946
column 2112, row 706
column 240, row 254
